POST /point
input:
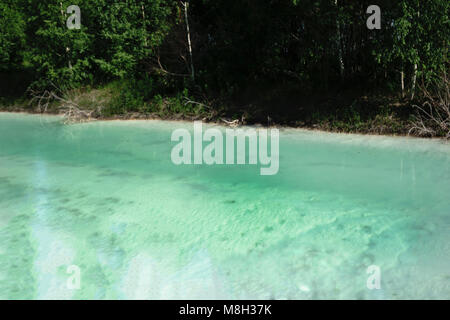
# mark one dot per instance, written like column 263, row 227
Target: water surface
column 106, row 197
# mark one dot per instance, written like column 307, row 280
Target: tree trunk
column 414, row 76
column 186, row 6
column 413, row 85
column 64, row 16
column 402, row 80
column 338, row 43
column 143, row 23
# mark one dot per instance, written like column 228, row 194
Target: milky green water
column 106, row 197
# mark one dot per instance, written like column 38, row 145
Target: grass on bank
column 347, row 112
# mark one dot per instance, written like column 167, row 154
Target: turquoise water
column 105, row 196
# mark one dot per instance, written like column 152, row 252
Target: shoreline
column 144, row 117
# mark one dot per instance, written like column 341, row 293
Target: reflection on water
column 105, row 196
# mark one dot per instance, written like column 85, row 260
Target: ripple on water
column 140, row 227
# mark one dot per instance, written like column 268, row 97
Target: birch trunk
column 414, row 76
column 186, row 7
column 143, row 23
column 402, row 80
column 413, row 85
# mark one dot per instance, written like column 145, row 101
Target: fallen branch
column 433, row 117
column 73, row 114
column 161, row 68
column 189, row 101
column 71, row 111
column 233, row 123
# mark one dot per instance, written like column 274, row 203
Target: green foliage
column 417, row 32
column 242, row 50
column 12, row 35
column 112, row 43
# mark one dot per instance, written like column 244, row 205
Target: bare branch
column 433, row 117
column 69, row 109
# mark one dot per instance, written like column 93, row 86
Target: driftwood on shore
column 73, row 114
column 70, row 110
column 433, row 116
